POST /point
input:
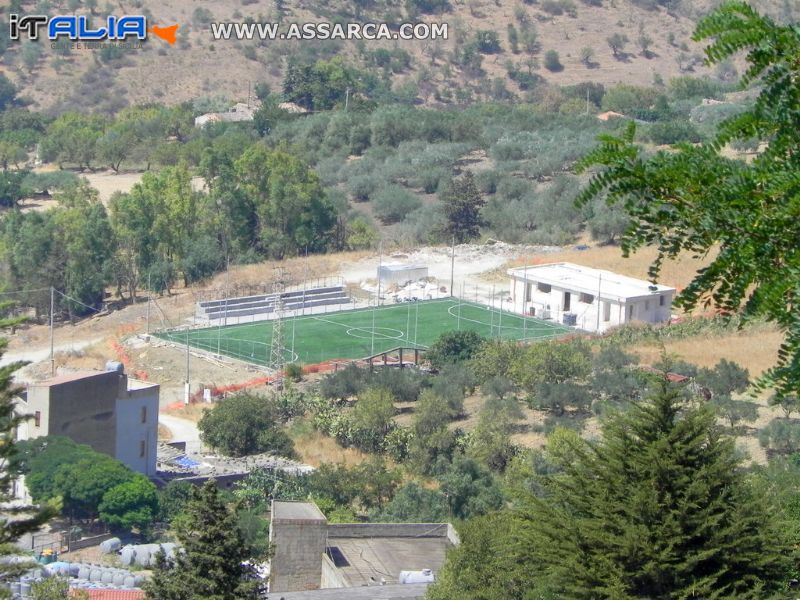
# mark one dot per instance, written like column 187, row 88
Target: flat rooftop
column 365, row 561
column 68, row 378
column 401, row 267
column 588, row 280
column 63, row 378
column 296, row 511
column 373, row 592
column 138, row 384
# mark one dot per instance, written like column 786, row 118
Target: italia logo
column 78, row 28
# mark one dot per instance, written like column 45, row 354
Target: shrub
column 488, row 41
column 344, row 383
column 781, row 435
column 672, row 132
column 552, row 7
column 294, row 371
column 552, row 62
column 393, row 203
column 362, row 187
column 687, row 87
column 454, row 346
column 245, row 424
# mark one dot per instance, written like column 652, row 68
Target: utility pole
column 187, row 387
column 148, row 305
column 346, row 98
column 52, row 339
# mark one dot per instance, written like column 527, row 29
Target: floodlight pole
column 458, row 313
column 524, row 302
column 491, row 313
column 377, row 297
column 52, row 339
column 452, row 266
column 599, row 283
column 380, row 264
column 227, row 283
column 408, row 323
column 305, row 279
column 500, row 320
column 416, row 324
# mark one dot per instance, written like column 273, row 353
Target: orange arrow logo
column 166, row 33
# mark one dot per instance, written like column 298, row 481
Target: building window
column 37, row 418
column 661, row 300
column 544, row 287
column 144, row 414
column 141, row 449
column 586, row 298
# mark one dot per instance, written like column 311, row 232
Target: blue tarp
column 186, row 462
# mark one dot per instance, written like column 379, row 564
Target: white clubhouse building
column 590, row 299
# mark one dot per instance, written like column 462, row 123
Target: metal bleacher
column 263, row 305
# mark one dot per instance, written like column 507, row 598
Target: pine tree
column 214, row 563
column 462, row 203
column 17, row 520
column 658, row 508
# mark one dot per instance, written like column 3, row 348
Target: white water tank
column 423, row 576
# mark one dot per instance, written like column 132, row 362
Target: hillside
column 432, row 73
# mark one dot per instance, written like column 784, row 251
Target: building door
column 567, row 298
column 606, row 311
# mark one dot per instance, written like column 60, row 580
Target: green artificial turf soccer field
column 348, row 334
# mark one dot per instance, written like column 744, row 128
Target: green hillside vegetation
column 496, row 50
column 489, row 136
column 286, row 184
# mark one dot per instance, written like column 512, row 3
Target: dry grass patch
column 755, row 349
column 677, row 273
column 296, row 269
column 315, row 448
column 192, row 412
column 164, row 433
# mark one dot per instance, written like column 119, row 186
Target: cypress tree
column 659, row 507
column 215, row 561
column 17, row 520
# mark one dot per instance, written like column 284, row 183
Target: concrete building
column 314, row 559
column 298, row 531
column 400, row 274
column 591, row 299
column 106, row 410
column 236, row 113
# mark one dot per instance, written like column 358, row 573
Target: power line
column 45, row 289
column 63, row 295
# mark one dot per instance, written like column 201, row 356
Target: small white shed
column 400, row 274
column 591, row 299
